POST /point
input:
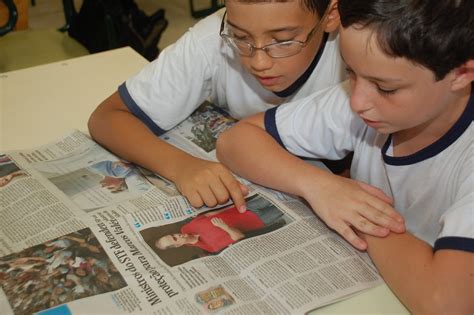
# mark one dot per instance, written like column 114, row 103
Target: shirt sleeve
column 457, row 223
column 169, row 89
column 320, row 126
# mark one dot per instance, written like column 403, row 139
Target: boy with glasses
column 251, row 57
column 407, row 113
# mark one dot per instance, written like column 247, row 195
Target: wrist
column 180, row 162
column 312, row 182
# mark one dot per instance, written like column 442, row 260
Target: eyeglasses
column 275, row 50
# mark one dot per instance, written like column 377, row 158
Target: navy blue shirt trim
column 135, row 110
column 304, row 77
column 455, row 242
column 445, row 141
column 270, row 124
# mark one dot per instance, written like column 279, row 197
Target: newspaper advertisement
column 84, row 232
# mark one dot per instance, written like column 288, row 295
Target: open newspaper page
column 82, row 231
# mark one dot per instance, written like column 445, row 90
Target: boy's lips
column 268, row 81
column 371, row 123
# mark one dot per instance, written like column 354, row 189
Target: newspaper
column 84, row 232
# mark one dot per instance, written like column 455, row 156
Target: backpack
column 107, row 24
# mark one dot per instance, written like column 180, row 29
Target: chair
column 27, row 48
column 108, row 24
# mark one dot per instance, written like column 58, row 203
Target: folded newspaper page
column 84, row 232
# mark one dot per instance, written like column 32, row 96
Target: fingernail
column 242, row 209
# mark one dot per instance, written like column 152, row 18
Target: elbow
column 221, row 145
column 99, row 120
column 444, row 301
column 228, row 142
column 450, row 303
column 430, row 306
column 91, row 124
column 98, row 123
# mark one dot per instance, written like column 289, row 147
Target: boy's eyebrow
column 384, row 80
column 371, row 78
column 276, row 30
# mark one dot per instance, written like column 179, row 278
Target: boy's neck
column 409, row 141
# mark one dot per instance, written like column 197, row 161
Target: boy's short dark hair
column 315, row 6
column 437, row 34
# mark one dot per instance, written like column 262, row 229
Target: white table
column 41, row 104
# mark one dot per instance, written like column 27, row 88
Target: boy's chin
column 276, row 86
column 276, row 89
column 386, row 130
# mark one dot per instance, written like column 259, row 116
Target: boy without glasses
column 257, row 55
column 407, row 115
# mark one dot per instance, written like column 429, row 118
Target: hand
column 345, row 204
column 209, row 183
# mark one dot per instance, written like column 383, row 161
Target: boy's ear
column 463, row 75
column 332, row 17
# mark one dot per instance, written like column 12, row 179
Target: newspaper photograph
column 210, row 232
column 93, row 178
column 59, row 271
column 197, row 134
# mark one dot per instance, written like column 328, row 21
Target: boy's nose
column 261, row 61
column 360, row 97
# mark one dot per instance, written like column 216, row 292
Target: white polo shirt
column 433, row 188
column 201, row 66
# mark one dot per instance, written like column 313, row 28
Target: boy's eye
column 386, row 91
column 282, row 40
column 241, row 37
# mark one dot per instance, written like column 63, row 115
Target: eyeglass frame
column 253, row 48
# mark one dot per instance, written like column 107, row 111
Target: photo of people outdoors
column 204, row 126
column 101, row 183
column 210, row 232
column 115, row 176
column 9, row 170
column 214, row 299
column 71, row 267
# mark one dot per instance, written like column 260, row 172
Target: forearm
column 244, row 149
column 121, row 132
column 234, row 234
column 251, row 152
column 426, row 282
